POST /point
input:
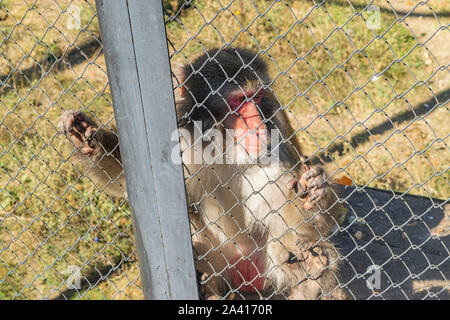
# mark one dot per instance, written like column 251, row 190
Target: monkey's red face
column 250, row 132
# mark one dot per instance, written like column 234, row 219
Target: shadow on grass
column 17, row 78
column 399, row 13
column 92, row 280
column 391, row 124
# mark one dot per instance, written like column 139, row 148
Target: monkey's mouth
column 253, row 141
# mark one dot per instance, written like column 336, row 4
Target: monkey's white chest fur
column 248, row 195
column 236, row 206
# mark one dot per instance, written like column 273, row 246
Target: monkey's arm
column 315, row 255
column 97, row 153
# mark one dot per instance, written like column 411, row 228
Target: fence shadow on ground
column 407, row 236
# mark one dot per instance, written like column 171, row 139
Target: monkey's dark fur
column 257, row 228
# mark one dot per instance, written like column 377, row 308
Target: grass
column 52, row 217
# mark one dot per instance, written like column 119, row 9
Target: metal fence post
column 134, row 40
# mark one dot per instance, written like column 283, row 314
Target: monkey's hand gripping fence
column 365, row 85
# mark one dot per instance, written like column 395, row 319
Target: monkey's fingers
column 66, row 125
column 79, row 128
column 66, row 121
column 314, row 197
column 75, row 120
column 315, row 183
column 313, row 172
column 305, row 162
column 294, row 185
column 311, row 186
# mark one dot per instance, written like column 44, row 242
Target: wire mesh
column 357, row 80
column 61, row 236
column 365, row 87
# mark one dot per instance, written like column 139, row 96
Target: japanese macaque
column 258, row 226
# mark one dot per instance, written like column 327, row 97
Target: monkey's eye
column 259, row 95
column 242, row 99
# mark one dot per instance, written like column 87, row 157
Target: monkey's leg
column 98, row 151
column 307, row 270
column 317, row 258
column 229, row 266
column 218, row 243
column 208, row 261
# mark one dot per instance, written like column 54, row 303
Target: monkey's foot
column 210, row 287
column 316, row 268
column 311, row 258
column 80, row 129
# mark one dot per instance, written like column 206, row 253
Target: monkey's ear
column 177, row 80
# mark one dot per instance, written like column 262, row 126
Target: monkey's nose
column 250, row 130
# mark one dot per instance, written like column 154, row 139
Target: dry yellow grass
column 51, row 217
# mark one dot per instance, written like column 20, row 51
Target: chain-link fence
column 56, row 225
column 364, row 86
